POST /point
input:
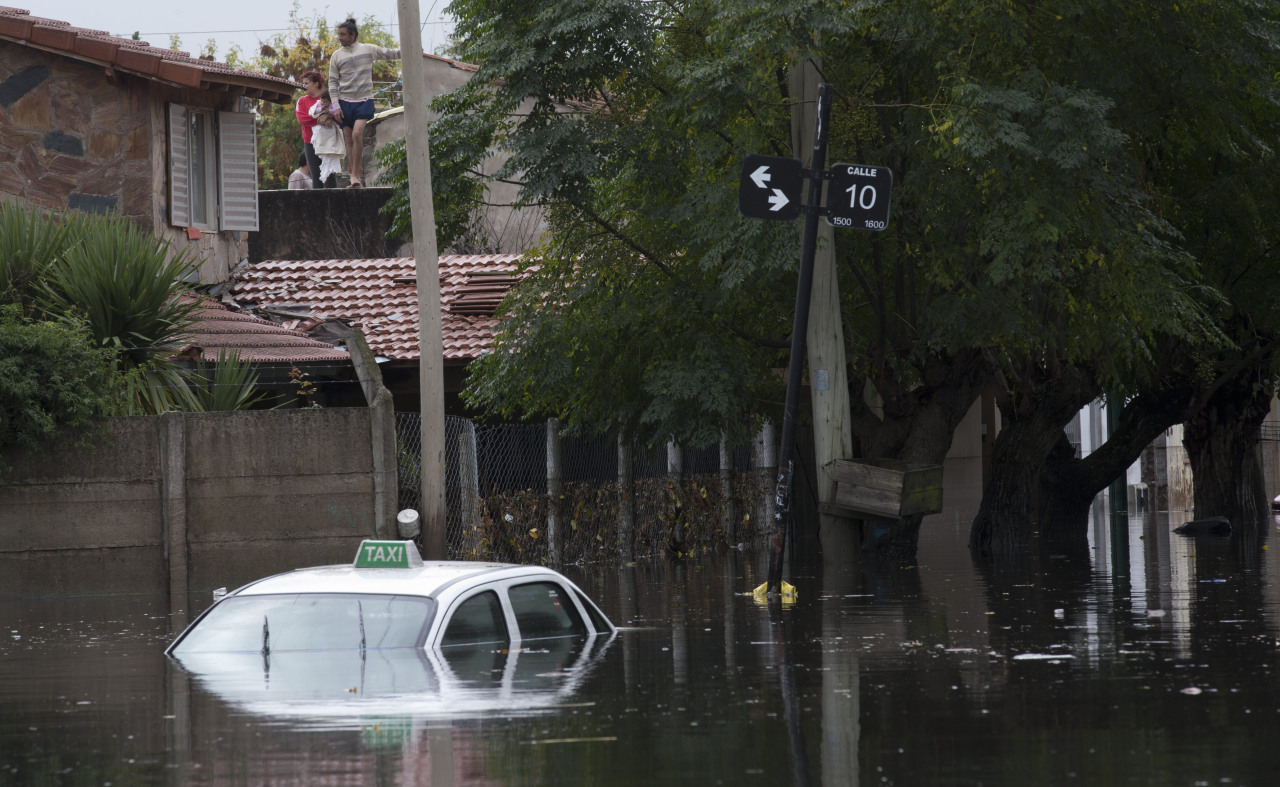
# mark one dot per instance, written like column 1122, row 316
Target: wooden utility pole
column 430, row 342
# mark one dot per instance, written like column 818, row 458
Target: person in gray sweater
column 351, row 85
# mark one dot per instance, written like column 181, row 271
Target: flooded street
column 1156, row 664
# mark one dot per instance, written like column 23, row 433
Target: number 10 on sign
column 858, row 196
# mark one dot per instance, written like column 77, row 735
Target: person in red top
column 313, row 83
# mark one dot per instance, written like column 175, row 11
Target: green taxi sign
column 387, row 554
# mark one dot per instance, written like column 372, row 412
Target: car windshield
column 309, row 621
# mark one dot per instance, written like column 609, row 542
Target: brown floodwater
column 1155, row 661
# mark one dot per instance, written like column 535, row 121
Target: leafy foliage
column 226, row 385
column 30, row 242
column 456, row 205
column 54, row 379
column 125, row 288
column 1056, row 195
column 127, row 283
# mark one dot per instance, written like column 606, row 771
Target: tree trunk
column 1068, row 484
column 917, row 427
column 1033, row 424
column 1222, row 443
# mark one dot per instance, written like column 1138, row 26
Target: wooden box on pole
column 885, row 488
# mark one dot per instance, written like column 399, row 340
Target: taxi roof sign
column 388, row 554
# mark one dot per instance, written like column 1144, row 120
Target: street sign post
column 770, row 188
column 858, row 196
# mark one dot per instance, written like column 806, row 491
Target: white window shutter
column 238, row 175
column 179, row 167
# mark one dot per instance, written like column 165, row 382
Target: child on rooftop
column 326, row 137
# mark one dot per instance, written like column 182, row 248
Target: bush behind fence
column 497, row 504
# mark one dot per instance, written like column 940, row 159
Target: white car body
column 448, row 584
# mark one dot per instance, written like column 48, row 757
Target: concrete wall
column 323, row 224
column 212, row 490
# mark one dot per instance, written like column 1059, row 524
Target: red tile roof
column 139, row 57
column 380, row 297
column 216, row 328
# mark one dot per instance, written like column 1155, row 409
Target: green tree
column 1030, row 243
column 1201, row 123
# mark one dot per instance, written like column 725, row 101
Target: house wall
column 76, row 136
column 508, row 230
column 218, row 250
column 71, row 137
column 219, row 492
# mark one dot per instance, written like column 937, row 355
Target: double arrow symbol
column 777, row 200
column 769, row 187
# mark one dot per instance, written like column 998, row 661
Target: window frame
column 230, row 172
column 202, row 120
column 501, row 587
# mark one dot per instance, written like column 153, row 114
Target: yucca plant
column 128, row 285
column 30, row 242
column 228, row 384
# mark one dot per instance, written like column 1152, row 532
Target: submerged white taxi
column 389, row 598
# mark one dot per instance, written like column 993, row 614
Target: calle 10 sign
column 857, row 195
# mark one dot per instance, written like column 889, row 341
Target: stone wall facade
column 75, row 136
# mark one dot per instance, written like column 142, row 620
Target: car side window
column 477, row 621
column 544, row 609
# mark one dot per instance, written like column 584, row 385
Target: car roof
column 430, row 579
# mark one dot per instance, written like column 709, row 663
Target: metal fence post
column 468, row 491
column 764, row 460
column 554, row 493
column 626, row 498
column 675, row 475
column 728, row 520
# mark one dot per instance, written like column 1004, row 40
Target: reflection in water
column 1151, row 661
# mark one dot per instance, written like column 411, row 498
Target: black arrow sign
column 770, row 188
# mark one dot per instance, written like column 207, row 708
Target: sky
column 244, row 22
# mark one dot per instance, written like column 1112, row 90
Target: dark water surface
column 1154, row 663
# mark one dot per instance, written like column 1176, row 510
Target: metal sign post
column 770, row 188
column 795, row 369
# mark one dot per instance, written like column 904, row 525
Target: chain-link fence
column 460, row 470
column 498, row 507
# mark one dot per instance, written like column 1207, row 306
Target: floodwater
column 1154, row 663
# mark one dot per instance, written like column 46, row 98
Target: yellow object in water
column 788, row 591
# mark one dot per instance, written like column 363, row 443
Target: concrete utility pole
column 430, row 342
column 828, row 377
